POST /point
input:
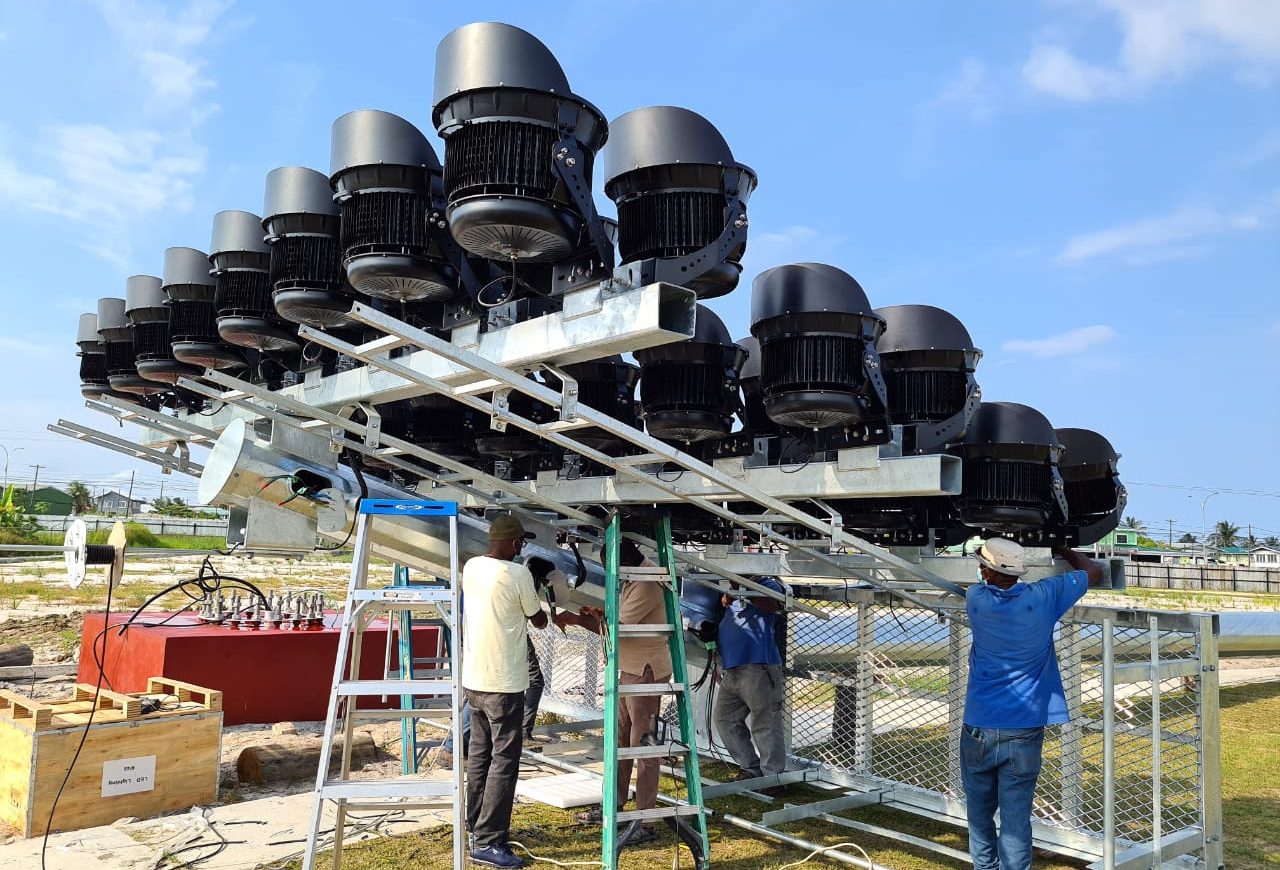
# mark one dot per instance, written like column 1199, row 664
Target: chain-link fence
column 875, row 697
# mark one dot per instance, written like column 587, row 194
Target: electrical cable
column 816, row 852
column 527, row 851
column 97, row 690
column 357, row 468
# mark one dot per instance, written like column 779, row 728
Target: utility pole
column 35, row 481
column 128, row 501
column 1170, row 522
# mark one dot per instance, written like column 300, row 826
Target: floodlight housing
column 242, row 271
column 116, row 332
column 444, row 426
column 385, row 175
column 148, row 309
column 689, row 389
column 519, row 148
column 1011, row 481
column 193, row 312
column 1095, row 496
column 608, row 385
column 308, row 283
column 511, row 442
column 818, row 362
column 754, row 416
column 928, row 361
column 93, row 358
column 681, row 200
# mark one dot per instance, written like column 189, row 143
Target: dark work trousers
column 493, row 764
column 533, row 694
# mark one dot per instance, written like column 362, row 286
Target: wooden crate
column 132, row 764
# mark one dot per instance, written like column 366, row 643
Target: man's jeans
column 755, row 690
column 532, row 698
column 999, row 767
column 493, row 764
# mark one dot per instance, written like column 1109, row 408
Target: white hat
column 1003, row 556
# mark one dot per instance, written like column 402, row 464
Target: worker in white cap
column 1014, row 691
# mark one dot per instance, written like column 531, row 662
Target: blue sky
column 1092, row 186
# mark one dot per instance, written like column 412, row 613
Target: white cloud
column 1070, row 343
column 969, row 90
column 1161, row 40
column 796, row 243
column 108, row 175
column 1160, row 238
column 17, row 345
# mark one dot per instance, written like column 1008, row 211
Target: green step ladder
column 688, row 819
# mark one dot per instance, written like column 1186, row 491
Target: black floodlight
column 1011, row 481
column 116, row 332
column 383, row 173
column 689, row 389
column 93, row 358
column 681, row 198
column 928, row 361
column 307, row 279
column 1091, row 480
column 609, row 386
column 817, row 334
column 518, row 148
column 444, row 426
column 511, row 442
column 147, row 308
column 242, row 270
column 193, row 312
column 754, row 416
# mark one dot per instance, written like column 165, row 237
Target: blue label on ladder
column 409, row 507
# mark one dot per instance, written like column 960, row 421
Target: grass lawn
column 1251, row 808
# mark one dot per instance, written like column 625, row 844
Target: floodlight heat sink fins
column 609, row 386
column 149, row 311
column 1011, row 481
column 193, row 312
column 681, row 200
column 116, row 332
column 308, row 283
column 818, row 362
column 929, row 361
column 242, row 271
column 1091, row 479
column 689, row 389
column 93, row 359
column 519, row 148
column 384, row 174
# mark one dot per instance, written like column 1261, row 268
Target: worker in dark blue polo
column 1014, row 691
column 751, row 682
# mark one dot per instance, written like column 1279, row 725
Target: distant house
column 1120, row 540
column 1161, row 555
column 1237, row 557
column 1264, row 556
column 116, row 503
column 46, row 501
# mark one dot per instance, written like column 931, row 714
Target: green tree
column 1225, row 534
column 81, row 498
column 1134, row 523
column 1271, row 541
column 1187, row 538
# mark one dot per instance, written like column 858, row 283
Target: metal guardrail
column 875, row 702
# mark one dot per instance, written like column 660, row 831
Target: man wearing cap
column 751, row 683
column 498, row 597
column 1014, row 691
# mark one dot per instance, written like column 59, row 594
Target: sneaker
column 636, row 834
column 593, row 816
column 497, row 856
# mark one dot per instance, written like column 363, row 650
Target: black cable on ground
column 97, row 689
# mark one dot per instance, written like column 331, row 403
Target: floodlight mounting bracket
column 570, row 162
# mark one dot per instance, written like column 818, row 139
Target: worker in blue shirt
column 751, row 683
column 1014, row 691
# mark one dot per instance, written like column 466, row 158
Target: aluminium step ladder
column 693, row 835
column 363, row 605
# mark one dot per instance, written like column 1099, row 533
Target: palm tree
column 1224, row 534
column 1271, row 541
column 81, row 498
column 1135, row 524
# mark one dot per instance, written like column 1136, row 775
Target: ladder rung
column 644, row 572
column 393, row 713
column 645, row 629
column 365, row 688
column 639, row 459
column 651, row 688
column 414, row 788
column 563, row 425
column 658, row 813
column 625, row 752
column 404, row 595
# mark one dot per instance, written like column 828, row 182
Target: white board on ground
column 563, row 790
